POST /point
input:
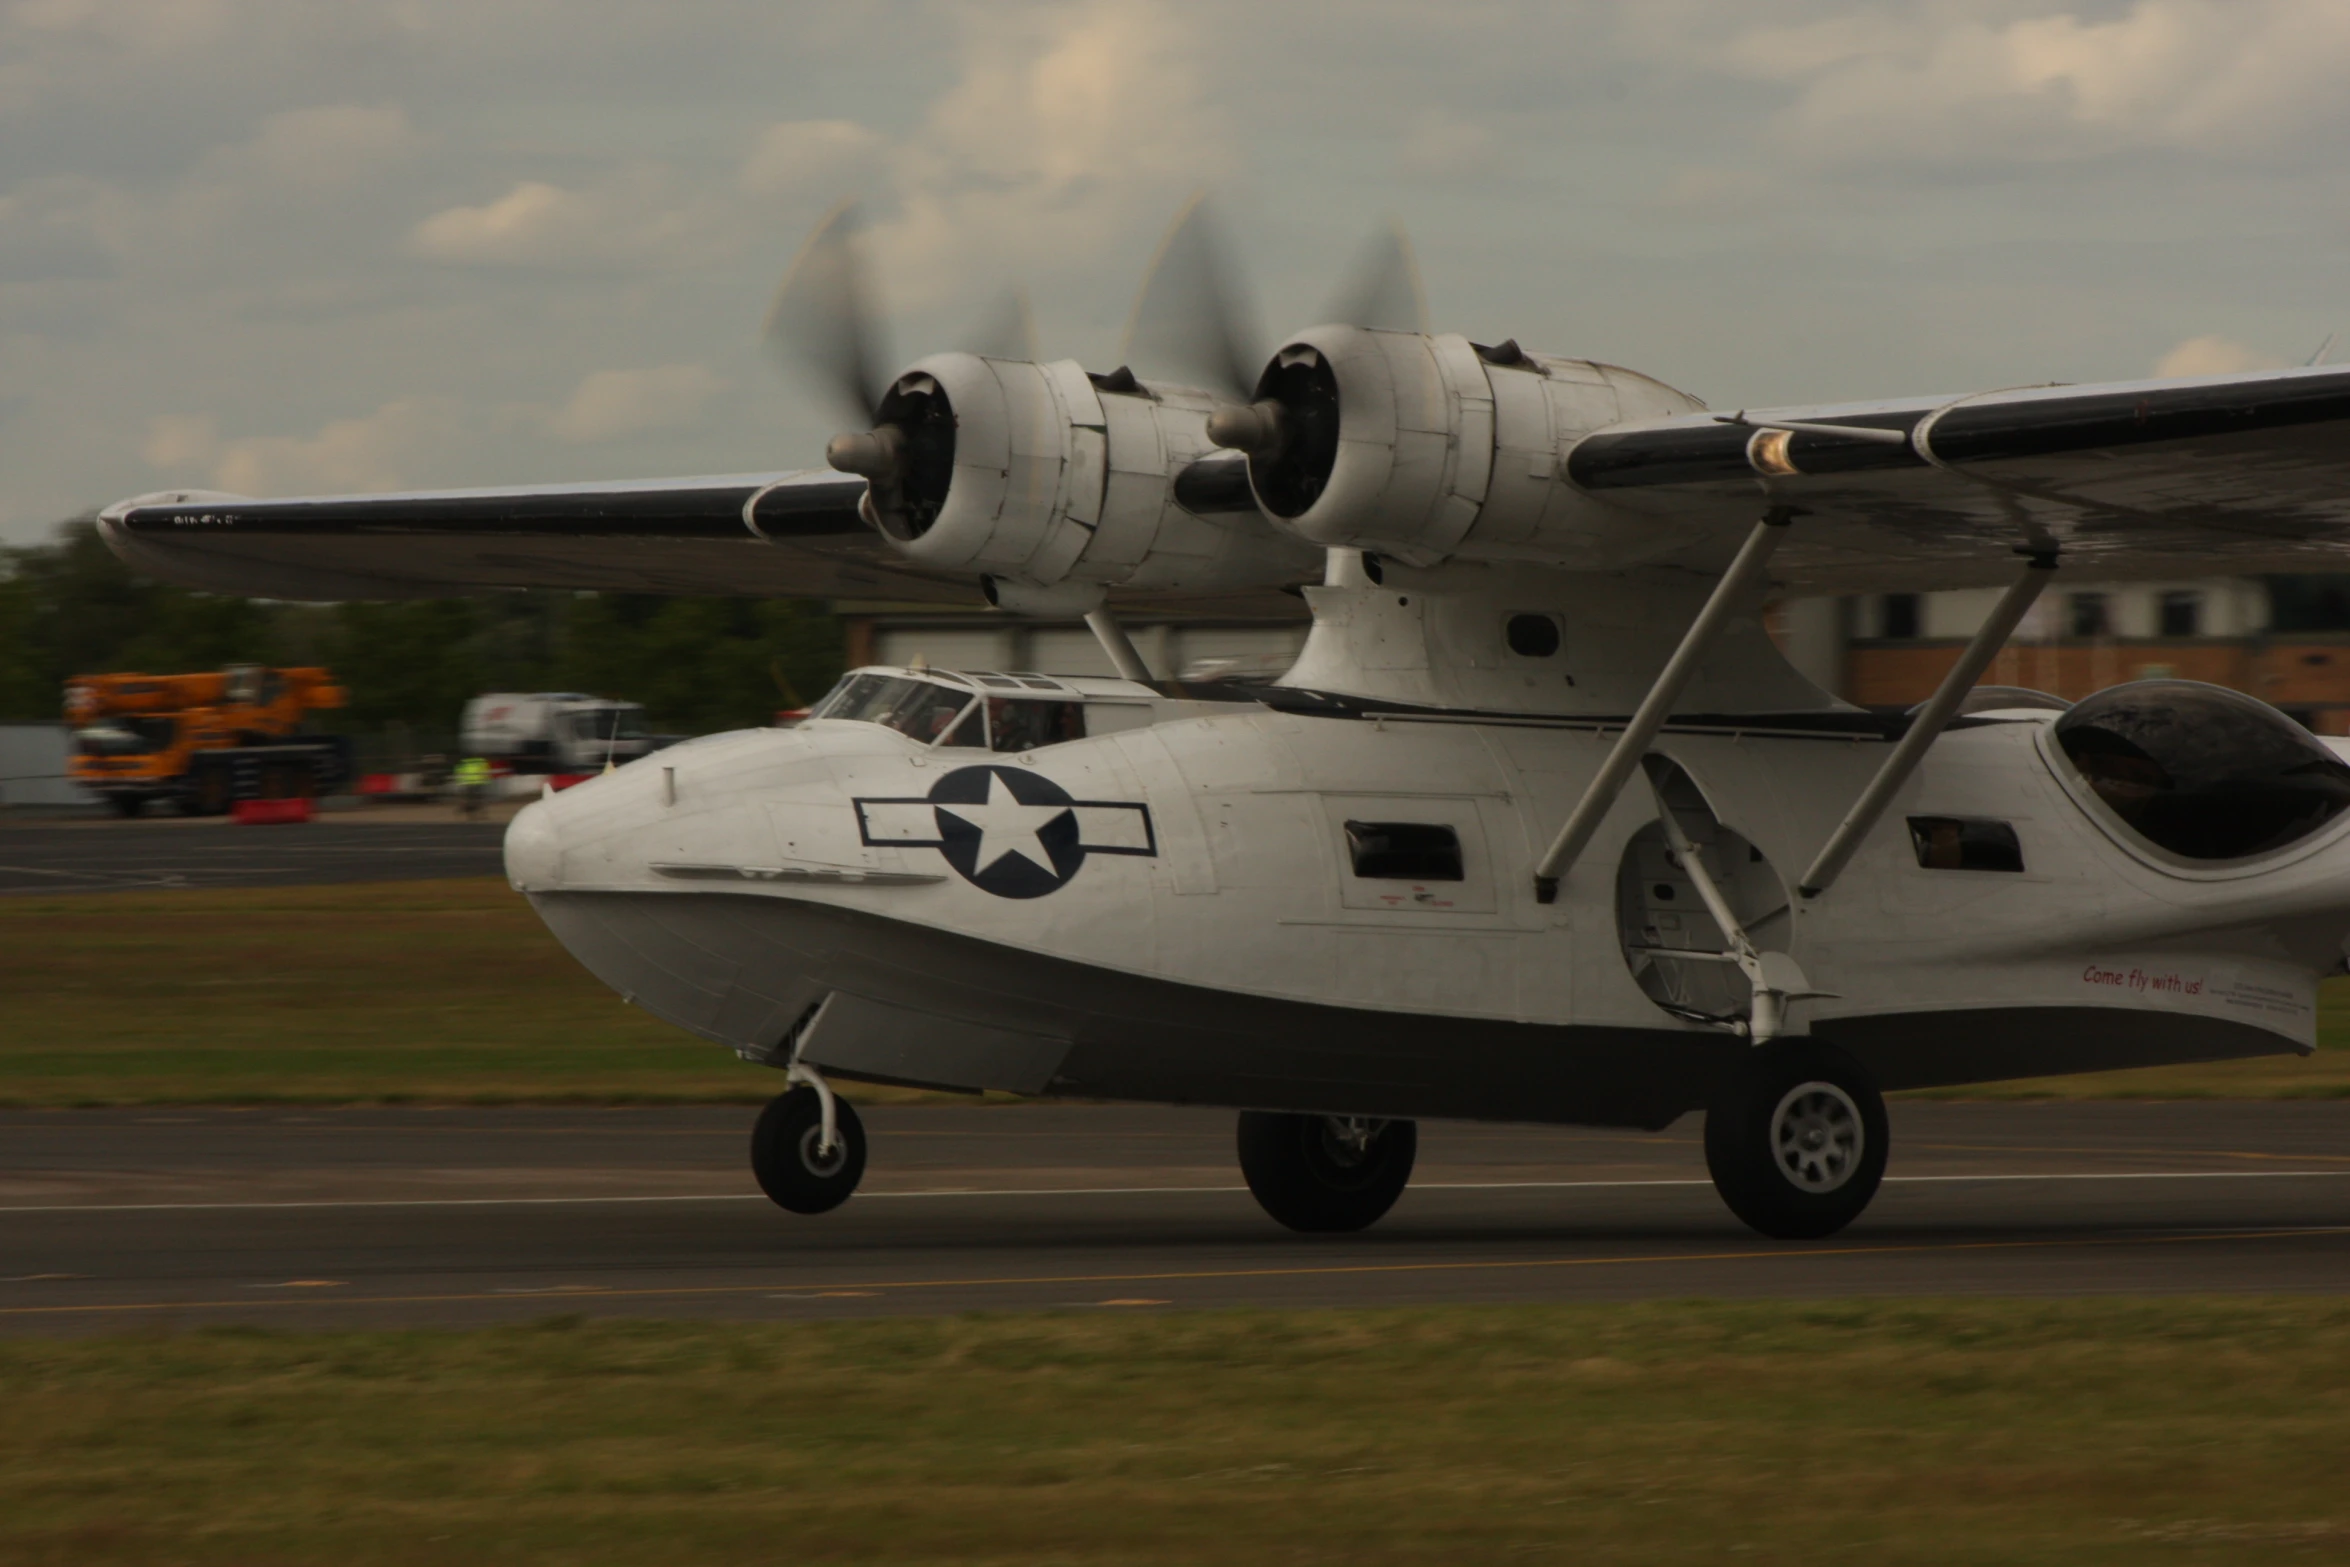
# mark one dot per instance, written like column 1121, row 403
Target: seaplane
column 1540, row 827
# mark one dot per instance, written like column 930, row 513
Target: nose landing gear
column 796, row 1163
column 1796, row 1140
column 1324, row 1173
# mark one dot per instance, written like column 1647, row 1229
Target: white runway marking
column 1127, row 1191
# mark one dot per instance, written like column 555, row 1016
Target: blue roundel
column 1007, row 831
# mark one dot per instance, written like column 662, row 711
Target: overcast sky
column 284, row 246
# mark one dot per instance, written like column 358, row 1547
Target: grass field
column 424, row 991
column 1917, row 1432
column 452, row 991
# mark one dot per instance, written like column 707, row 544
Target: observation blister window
column 2200, row 771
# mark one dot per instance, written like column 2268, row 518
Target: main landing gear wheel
column 788, row 1156
column 1796, row 1140
column 1321, row 1173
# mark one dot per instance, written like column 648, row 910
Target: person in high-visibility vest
column 472, row 778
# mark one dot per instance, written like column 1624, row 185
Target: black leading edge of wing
column 779, row 534
column 788, row 506
column 2146, row 480
column 1988, row 428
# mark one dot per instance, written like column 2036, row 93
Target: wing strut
column 1931, row 720
column 1118, row 645
column 1600, row 796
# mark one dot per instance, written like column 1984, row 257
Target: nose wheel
column 794, row 1163
column 1322, row 1173
column 1796, row 1140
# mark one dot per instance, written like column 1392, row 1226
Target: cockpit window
column 1016, row 724
column 944, row 710
column 924, row 710
column 2201, row 771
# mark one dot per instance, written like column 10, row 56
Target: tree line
column 69, row 607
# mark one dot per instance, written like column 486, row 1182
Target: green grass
column 1918, row 1432
column 388, row 992
column 453, row 992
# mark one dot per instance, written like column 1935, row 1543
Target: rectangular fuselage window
column 1020, row 724
column 1404, row 851
column 1965, row 843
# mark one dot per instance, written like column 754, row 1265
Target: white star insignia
column 1007, row 827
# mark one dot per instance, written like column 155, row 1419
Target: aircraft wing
column 771, row 534
column 2141, row 479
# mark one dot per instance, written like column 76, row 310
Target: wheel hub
column 1816, row 1137
column 819, row 1160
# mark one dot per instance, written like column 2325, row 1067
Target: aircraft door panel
column 1183, row 859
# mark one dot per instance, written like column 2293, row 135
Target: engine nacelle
column 1426, row 447
column 1044, row 476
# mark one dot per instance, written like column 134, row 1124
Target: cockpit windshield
column 942, row 709
column 924, row 710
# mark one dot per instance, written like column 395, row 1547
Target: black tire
column 1306, row 1172
column 127, row 805
column 1796, row 1139
column 783, row 1152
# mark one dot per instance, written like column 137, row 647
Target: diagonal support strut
column 1932, row 719
column 1600, row 795
column 1119, row 646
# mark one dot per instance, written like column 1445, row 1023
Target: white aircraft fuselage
column 1320, row 899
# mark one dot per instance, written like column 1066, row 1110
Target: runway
column 166, row 852
column 123, row 1220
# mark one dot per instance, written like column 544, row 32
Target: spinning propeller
column 1191, row 324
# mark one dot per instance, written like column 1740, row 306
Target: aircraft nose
column 534, row 849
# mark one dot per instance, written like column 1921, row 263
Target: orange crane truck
column 204, row 742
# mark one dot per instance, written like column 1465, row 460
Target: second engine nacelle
column 1426, row 447
column 1043, row 476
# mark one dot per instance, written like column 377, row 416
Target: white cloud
column 613, row 403
column 374, row 452
column 2214, row 355
column 638, row 217
column 1066, row 128
column 1938, row 83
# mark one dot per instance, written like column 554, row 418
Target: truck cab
column 554, row 731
